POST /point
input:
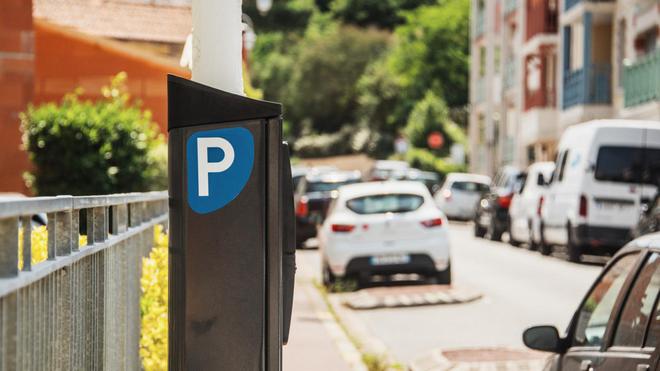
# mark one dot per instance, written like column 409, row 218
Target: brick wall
column 16, row 88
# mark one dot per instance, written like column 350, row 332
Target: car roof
column 619, row 123
column 391, row 186
column 333, row 176
column 468, row 177
column 390, row 165
column 648, row 241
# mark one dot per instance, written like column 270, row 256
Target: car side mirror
column 540, row 180
column 543, row 338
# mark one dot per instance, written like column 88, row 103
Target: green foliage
column 432, row 52
column 82, row 147
column 432, row 114
column 424, row 159
column 285, row 15
column 380, row 13
column 322, row 89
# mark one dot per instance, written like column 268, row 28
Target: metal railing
column 80, row 308
column 641, row 80
column 589, row 85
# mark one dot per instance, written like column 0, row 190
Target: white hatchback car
column 384, row 228
column 460, row 193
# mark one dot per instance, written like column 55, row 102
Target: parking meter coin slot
column 288, row 242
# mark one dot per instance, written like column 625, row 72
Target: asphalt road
column 520, row 288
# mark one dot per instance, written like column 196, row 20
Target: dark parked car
column 313, row 197
column 617, row 325
column 492, row 214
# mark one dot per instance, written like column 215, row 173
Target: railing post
column 9, row 332
column 26, row 221
column 63, row 237
column 99, row 224
column 8, row 247
column 52, row 235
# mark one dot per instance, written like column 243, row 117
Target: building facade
column 561, row 62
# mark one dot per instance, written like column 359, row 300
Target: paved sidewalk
column 316, row 342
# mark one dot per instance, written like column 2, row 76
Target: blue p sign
column 219, row 165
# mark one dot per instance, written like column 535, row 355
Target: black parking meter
column 231, row 231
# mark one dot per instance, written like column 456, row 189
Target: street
column 520, row 288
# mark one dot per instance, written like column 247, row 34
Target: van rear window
column 385, row 203
column 628, row 165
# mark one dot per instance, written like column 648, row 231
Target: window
column 639, row 305
column 628, row 164
column 498, row 59
column 386, row 203
column 596, row 310
column 470, row 187
column 327, row 186
column 562, row 167
column 482, row 61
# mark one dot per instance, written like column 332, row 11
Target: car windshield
column 386, row 203
column 327, row 186
column 628, row 165
column 472, row 187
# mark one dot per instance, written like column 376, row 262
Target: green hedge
column 83, row 147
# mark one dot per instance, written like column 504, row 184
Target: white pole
column 217, row 44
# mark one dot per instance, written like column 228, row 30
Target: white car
column 460, row 193
column 525, row 209
column 384, row 228
column 605, row 171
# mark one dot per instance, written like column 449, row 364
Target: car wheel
column 512, row 241
column 328, row 277
column 544, row 247
column 444, row 277
column 574, row 250
column 479, row 231
column 494, row 234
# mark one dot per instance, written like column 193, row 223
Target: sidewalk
column 316, row 341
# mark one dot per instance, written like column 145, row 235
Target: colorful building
column 561, row 62
column 51, row 47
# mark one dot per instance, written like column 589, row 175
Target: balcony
column 641, row 81
column 510, row 6
column 568, row 4
column 479, row 24
column 590, row 85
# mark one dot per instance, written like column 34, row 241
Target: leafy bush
column 83, row 147
column 39, row 244
column 153, row 304
column 425, row 160
column 431, row 114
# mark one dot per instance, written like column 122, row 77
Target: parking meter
column 232, row 245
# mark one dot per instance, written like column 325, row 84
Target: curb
column 408, row 296
column 348, row 351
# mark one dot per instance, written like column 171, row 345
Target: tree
column 284, row 16
column 431, row 114
column 84, row 148
column 432, row 52
column 384, row 14
column 322, row 93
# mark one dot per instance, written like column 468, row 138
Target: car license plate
column 390, row 259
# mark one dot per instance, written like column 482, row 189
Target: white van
column 524, row 211
column 604, row 170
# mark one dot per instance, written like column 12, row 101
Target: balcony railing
column 510, row 74
column 641, row 81
column 591, row 85
column 479, row 24
column 568, row 4
column 510, row 6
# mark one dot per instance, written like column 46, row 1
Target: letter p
column 204, row 167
